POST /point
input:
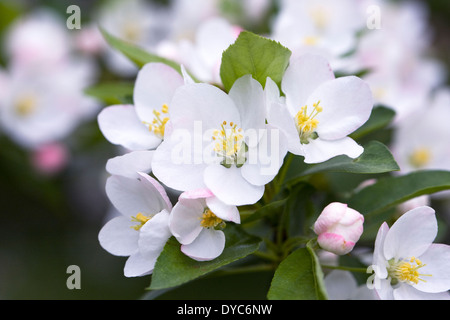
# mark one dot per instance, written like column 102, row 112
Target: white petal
column 230, row 186
column 138, row 265
column 347, row 104
column 118, row 237
column 437, row 264
column 185, row 219
column 384, row 290
column 121, row 126
column 130, row 164
column 412, row 234
column 249, row 97
column 340, row 285
column 207, row 246
column 320, row 150
column 302, row 77
column 133, row 196
column 204, row 103
column 379, row 261
column 407, row 292
column 265, row 161
column 153, row 236
column 222, row 210
column 155, row 86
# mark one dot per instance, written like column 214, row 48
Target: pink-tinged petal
column 207, row 246
column 302, row 77
column 412, row 234
column 319, row 150
column 223, row 211
column 437, row 264
column 130, row 164
column 197, row 194
column 248, row 96
column 347, row 104
column 229, row 185
column 185, row 218
column 133, row 196
column 407, row 292
column 153, row 236
column 335, row 243
column 155, row 86
column 150, row 182
column 330, row 216
column 118, row 237
column 121, row 126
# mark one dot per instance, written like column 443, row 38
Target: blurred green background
column 50, row 223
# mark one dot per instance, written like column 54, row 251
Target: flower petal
column 207, row 246
column 407, row 292
column 184, row 222
column 412, row 234
column 223, row 210
column 230, row 186
column 121, row 126
column 128, row 165
column 437, row 264
column 347, row 104
column 118, row 237
column 155, row 86
column 153, row 236
column 138, row 265
column 302, row 77
column 379, row 261
column 133, row 196
column 320, row 150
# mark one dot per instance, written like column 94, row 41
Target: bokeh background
column 52, row 201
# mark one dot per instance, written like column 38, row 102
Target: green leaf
column 376, row 159
column 298, row 277
column 381, row 117
column 264, row 211
column 173, row 268
column 255, row 55
column 136, row 54
column 394, row 190
column 112, row 92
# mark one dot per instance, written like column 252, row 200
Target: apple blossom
column 319, row 110
column 197, row 220
column 220, row 142
column 142, row 126
column 142, row 230
column 407, row 264
column 338, row 228
column 341, row 285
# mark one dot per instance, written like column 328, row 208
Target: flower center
column 131, row 31
column 311, row 40
column 158, row 125
column 307, row 124
column 210, row 220
column 407, row 271
column 320, row 16
column 420, row 157
column 141, row 219
column 26, row 105
column 230, row 145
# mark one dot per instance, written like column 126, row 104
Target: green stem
column 361, row 270
column 283, row 171
column 250, row 269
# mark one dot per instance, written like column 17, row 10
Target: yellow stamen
column 25, row 105
column 210, row 220
column 310, row 40
column 408, row 271
column 142, row 219
column 229, row 143
column 420, row 157
column 158, row 124
column 307, row 124
column 320, row 15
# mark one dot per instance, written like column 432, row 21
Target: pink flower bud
column 339, row 228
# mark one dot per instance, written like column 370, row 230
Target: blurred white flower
column 407, row 264
column 341, row 285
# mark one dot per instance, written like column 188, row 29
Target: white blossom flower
column 143, row 228
column 407, row 264
column 197, row 220
column 220, row 142
column 142, row 126
column 320, row 110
